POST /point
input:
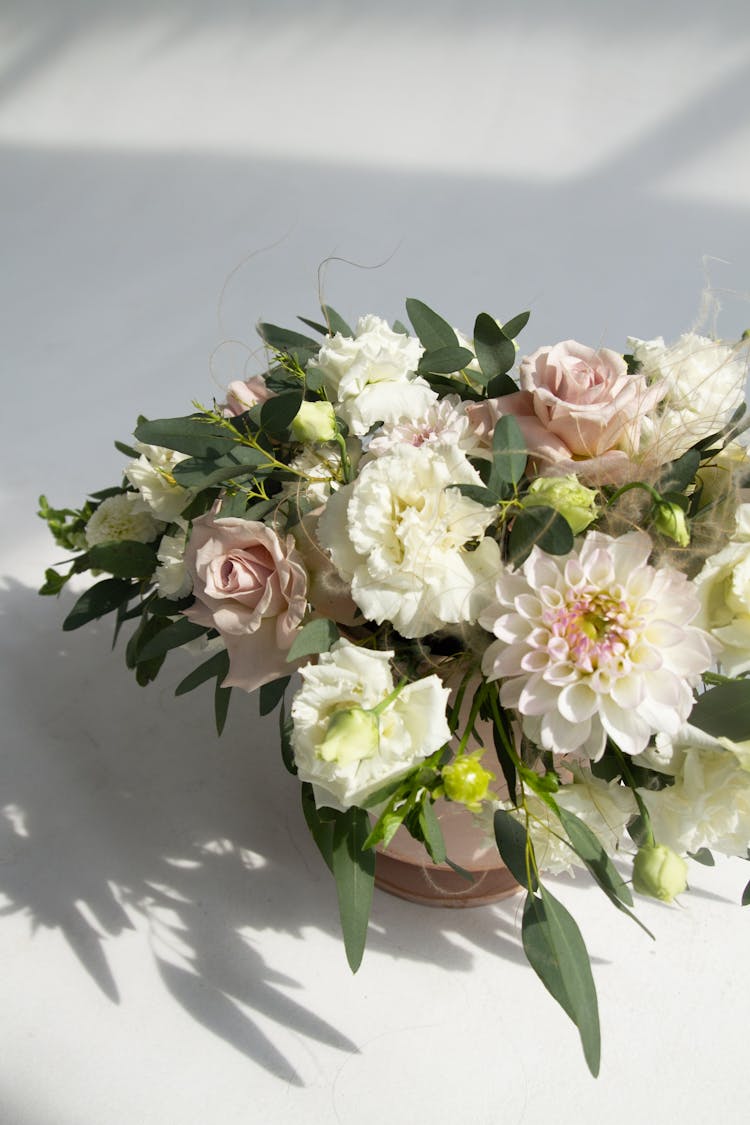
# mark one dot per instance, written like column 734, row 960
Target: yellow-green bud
column 466, row 781
column 315, row 422
column 352, row 734
column 659, row 872
column 567, row 496
column 670, row 520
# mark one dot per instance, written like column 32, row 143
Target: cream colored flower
column 724, row 589
column 151, row 474
column 124, row 516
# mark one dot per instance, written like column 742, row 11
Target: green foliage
column 173, row 634
column 124, row 558
column 299, row 348
column 444, row 361
column 434, row 333
column 216, row 667
column 321, row 828
column 271, row 695
column 538, row 527
column 515, row 848
column 516, row 325
column 509, row 454
column 99, row 600
column 221, row 705
column 724, row 711
column 197, row 435
column 495, row 350
column 53, row 581
column 558, row 955
column 67, row 525
column 431, row 832
column 277, row 413
column 336, row 322
column 353, row 868
column 317, row 636
column 680, row 473
column 286, row 729
column 203, row 472
column 745, row 900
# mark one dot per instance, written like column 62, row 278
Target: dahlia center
column 595, row 628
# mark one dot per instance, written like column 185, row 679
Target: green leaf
column 286, row 729
column 501, row 385
column 703, row 856
column 512, row 841
column 175, row 634
column 315, row 325
column 745, row 901
column 676, row 476
column 221, row 706
column 354, row 872
column 98, row 600
column 317, row 636
column 196, row 435
column 169, row 607
column 432, row 330
column 478, row 494
column 125, row 558
column 277, row 413
column 203, row 472
column 442, row 385
column 128, row 450
column 321, row 830
column 507, row 765
column 146, row 668
column 444, row 361
column 538, row 527
column 337, row 323
column 432, row 833
column 400, row 327
column 724, row 711
column 271, row 694
column 509, row 453
column 495, row 351
column 216, row 667
column 301, row 348
column 53, row 582
column 557, row 954
column 589, row 848
column 516, row 324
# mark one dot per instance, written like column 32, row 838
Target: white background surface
column 169, row 940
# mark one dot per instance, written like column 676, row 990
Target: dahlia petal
column 628, row 691
column 577, row 702
column 626, row 728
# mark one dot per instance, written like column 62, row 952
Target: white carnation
column 124, row 516
column 151, row 474
column 708, row 804
column 724, row 589
column 445, row 421
column 172, row 578
column 409, row 729
column 403, row 536
column 703, row 383
column 371, row 376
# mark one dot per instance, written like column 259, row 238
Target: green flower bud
column 466, row 781
column 659, row 872
column 670, row 520
column 567, row 496
column 352, row 734
column 315, row 422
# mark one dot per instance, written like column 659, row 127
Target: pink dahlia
column 594, row 644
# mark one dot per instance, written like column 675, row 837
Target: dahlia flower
column 595, row 644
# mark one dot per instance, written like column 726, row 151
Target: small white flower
column 708, row 804
column 353, row 680
column 407, row 540
column 371, row 376
column 724, row 589
column 172, row 579
column 703, row 382
column 124, row 516
column 321, row 467
column 596, row 643
column 151, row 474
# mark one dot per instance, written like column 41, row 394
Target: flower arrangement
column 428, row 544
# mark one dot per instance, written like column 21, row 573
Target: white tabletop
column 168, row 933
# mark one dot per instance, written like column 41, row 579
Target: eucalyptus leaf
column 277, row 413
column 501, row 385
column 98, row 600
column 216, row 667
column 317, row 636
column 680, row 473
column 128, row 450
column 512, row 842
column 588, row 847
column 538, row 527
column 745, row 900
column 724, row 711
column 203, row 472
column 270, row 695
column 509, row 453
column 478, row 494
column 336, row 322
column 315, row 325
column 321, row 830
column 432, row 330
column 196, row 435
column 516, row 324
column 354, row 871
column 444, row 361
column 175, row 634
column 432, row 833
column 286, row 729
column 704, row 857
column 221, row 706
column 557, row 954
column 495, row 351
column 124, row 558
column 284, row 340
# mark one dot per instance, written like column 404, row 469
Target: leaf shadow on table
column 121, row 812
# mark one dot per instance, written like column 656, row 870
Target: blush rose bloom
column 251, row 587
column 579, row 411
column 244, row 395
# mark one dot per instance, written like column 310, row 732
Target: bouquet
column 417, row 542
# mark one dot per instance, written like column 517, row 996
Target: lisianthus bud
column 670, row 520
column 315, row 422
column 466, row 781
column 567, row 496
column 352, row 734
column 659, row 872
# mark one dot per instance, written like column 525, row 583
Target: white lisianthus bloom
column 445, row 421
column 703, row 382
column 172, row 578
column 371, row 376
column 151, row 474
column 596, row 643
column 407, row 541
column 605, row 807
column 337, row 697
column 724, row 589
column 124, row 516
column 708, row 805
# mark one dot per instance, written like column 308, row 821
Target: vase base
column 430, row 885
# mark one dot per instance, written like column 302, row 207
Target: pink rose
column 242, row 396
column 579, row 411
column 251, row 587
